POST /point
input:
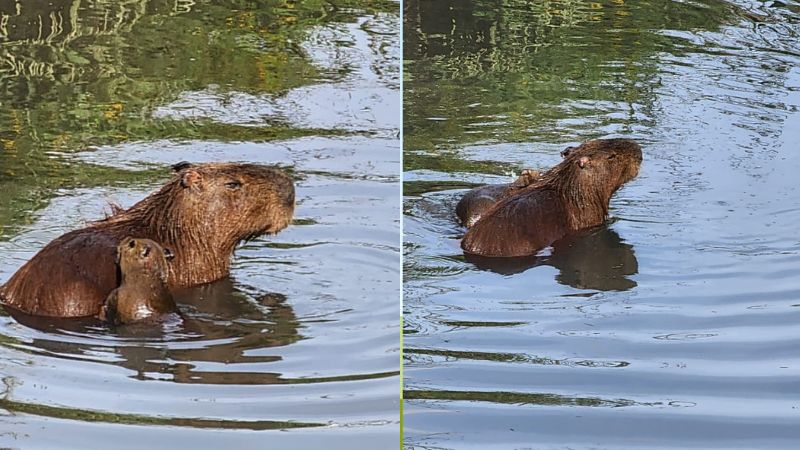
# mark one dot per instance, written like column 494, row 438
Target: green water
column 97, row 100
column 77, row 75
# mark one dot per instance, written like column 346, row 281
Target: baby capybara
column 143, row 293
column 202, row 213
column 571, row 196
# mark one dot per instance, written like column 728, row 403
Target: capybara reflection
column 142, row 293
column 202, row 213
column 571, row 196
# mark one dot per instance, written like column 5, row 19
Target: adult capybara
column 143, row 293
column 202, row 213
column 479, row 200
column 571, row 196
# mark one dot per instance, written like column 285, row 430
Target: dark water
column 676, row 325
column 299, row 348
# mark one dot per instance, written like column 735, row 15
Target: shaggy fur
column 481, row 199
column 142, row 293
column 202, row 213
column 571, row 196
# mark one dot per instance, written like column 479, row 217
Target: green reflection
column 553, row 71
column 77, row 74
column 85, row 415
column 518, row 398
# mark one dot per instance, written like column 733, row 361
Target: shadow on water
column 592, row 259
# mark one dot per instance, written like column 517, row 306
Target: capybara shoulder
column 573, row 195
column 201, row 213
column 143, row 293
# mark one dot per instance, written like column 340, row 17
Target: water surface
column 299, row 347
column 673, row 326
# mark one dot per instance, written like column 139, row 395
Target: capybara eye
column 612, row 156
column 233, row 184
column 168, row 254
column 132, row 243
column 565, row 152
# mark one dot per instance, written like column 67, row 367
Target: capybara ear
column 583, row 161
column 191, row 179
column 181, row 165
column 566, row 151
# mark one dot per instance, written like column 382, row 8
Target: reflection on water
column 592, row 259
column 219, row 323
column 99, row 99
column 675, row 324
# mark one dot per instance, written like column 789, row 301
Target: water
column 299, row 348
column 674, row 326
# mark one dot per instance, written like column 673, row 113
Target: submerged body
column 202, row 213
column 571, row 196
column 143, row 293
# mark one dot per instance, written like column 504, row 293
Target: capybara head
column 143, row 257
column 526, row 178
column 590, row 173
column 216, row 205
column 239, row 201
column 204, row 211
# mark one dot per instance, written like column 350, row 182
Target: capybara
column 202, row 213
column 480, row 199
column 571, row 196
column 477, row 201
column 143, row 293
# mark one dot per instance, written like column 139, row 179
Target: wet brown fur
column 571, row 196
column 479, row 200
column 202, row 213
column 143, row 293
